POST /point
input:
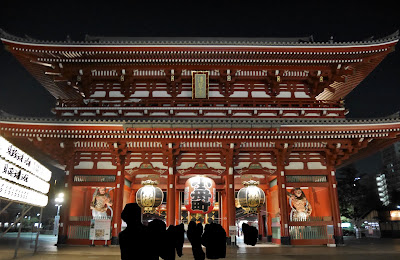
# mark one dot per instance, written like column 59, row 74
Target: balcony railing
column 306, row 178
column 85, row 218
column 308, row 232
column 78, row 232
column 94, row 178
column 311, row 219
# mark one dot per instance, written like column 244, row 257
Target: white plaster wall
column 186, row 165
column 267, row 165
column 115, row 94
column 84, row 165
column 315, row 166
column 259, row 94
column 106, row 165
column 295, row 166
column 284, row 94
column 216, row 165
column 214, row 94
column 140, row 94
column 159, row 165
column 185, row 94
column 133, row 165
column 161, row 94
column 301, row 95
column 243, row 165
column 240, row 94
column 98, row 94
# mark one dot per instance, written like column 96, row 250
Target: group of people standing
column 138, row 241
column 213, row 238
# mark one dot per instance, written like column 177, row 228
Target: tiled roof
column 179, row 41
column 204, row 122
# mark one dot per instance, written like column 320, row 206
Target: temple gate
column 131, row 110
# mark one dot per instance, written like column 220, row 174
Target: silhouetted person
column 171, row 242
column 194, row 234
column 179, row 238
column 158, row 234
column 214, row 239
column 250, row 234
column 134, row 241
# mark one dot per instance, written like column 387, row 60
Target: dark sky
column 376, row 96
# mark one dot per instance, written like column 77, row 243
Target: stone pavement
column 354, row 249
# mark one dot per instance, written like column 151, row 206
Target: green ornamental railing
column 78, row 232
column 306, row 178
column 94, row 178
column 308, row 232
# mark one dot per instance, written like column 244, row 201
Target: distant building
column 391, row 173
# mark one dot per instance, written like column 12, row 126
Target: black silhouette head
column 131, row 213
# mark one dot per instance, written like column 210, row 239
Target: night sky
column 376, row 96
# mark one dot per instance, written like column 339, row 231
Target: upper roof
column 185, row 41
column 199, row 53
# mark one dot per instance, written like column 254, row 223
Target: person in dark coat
column 135, row 241
column 250, row 234
column 179, row 239
column 194, row 234
column 157, row 229
column 169, row 242
column 214, row 239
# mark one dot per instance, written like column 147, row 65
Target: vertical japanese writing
column 201, row 195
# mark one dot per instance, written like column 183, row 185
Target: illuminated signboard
column 12, row 173
column 15, row 192
column 395, row 215
column 22, row 178
column 16, row 156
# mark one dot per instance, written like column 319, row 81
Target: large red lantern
column 199, row 195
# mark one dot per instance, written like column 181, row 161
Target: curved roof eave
column 201, row 42
column 238, row 123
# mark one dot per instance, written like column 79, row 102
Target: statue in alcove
column 101, row 201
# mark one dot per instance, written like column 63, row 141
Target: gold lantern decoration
column 149, row 197
column 251, row 197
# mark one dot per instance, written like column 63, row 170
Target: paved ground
column 354, row 249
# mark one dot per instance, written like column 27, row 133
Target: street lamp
column 59, row 200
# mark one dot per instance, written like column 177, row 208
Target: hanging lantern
column 199, row 195
column 149, row 197
column 251, row 197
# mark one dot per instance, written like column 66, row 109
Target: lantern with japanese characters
column 149, row 197
column 200, row 195
column 251, row 197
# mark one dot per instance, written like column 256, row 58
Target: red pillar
column 260, row 224
column 224, row 218
column 230, row 200
column 65, row 209
column 338, row 234
column 132, row 197
column 269, row 215
column 283, row 205
column 171, row 197
column 177, row 207
column 230, row 208
column 118, row 202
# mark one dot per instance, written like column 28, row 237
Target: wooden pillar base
column 285, row 240
column 61, row 240
column 339, row 240
column 114, row 241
